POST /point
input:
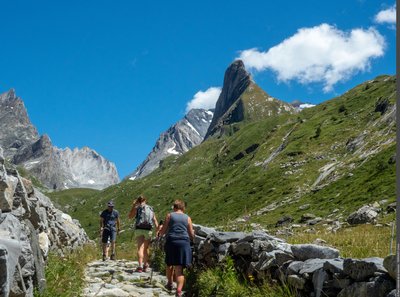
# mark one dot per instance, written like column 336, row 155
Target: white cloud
column 306, row 105
column 205, row 100
column 319, row 54
column 386, row 16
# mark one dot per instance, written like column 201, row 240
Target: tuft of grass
column 360, row 241
column 224, row 280
column 65, row 274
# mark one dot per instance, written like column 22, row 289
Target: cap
column 110, row 203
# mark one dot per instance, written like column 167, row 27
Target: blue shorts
column 109, row 233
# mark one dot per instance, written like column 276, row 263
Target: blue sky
column 113, row 75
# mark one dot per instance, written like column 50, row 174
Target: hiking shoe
column 104, row 257
column 178, row 294
column 112, row 257
column 168, row 286
column 145, row 267
column 139, row 269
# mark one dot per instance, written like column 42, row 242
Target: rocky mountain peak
column 236, row 80
column 8, row 96
column 177, row 140
column 54, row 167
column 242, row 99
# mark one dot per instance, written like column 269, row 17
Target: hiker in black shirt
column 109, row 227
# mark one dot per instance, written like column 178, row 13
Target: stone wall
column 30, row 226
column 312, row 270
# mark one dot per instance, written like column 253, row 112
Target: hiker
column 178, row 254
column 109, row 227
column 145, row 220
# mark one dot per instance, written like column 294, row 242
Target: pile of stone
column 30, row 226
column 310, row 269
column 119, row 279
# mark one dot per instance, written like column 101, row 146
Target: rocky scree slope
column 54, row 167
column 30, row 227
column 177, row 140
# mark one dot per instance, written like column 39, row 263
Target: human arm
column 132, row 212
column 165, row 225
column 190, row 229
column 118, row 224
column 155, row 222
column 101, row 224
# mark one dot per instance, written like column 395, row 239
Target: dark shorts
column 109, row 233
column 178, row 252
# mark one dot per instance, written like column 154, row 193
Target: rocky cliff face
column 178, row 139
column 30, row 226
column 16, row 131
column 55, row 168
column 242, row 99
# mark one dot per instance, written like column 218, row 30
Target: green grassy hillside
column 335, row 156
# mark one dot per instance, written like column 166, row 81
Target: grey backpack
column 144, row 217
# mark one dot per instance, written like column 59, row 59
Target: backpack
column 144, row 217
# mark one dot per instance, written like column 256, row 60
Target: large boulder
column 380, row 286
column 222, row 237
column 8, row 185
column 30, row 226
column 390, row 264
column 362, row 269
column 366, row 214
column 303, row 252
column 10, row 251
column 203, row 231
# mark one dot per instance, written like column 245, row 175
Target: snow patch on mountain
column 177, row 140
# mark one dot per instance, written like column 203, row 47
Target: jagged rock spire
column 236, row 81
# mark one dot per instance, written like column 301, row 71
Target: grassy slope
column 219, row 188
column 70, row 200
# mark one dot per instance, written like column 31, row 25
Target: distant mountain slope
column 55, row 168
column 241, row 99
column 178, row 139
column 334, row 158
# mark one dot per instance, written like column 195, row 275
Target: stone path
column 117, row 278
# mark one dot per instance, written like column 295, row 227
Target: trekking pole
column 153, row 245
column 391, row 239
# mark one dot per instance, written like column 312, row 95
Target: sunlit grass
column 65, row 275
column 357, row 242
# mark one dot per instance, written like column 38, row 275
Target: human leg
column 140, row 247
column 104, row 239
column 113, row 237
column 170, row 276
column 146, row 244
column 180, row 278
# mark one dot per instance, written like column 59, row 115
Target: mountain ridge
column 54, row 167
column 176, row 140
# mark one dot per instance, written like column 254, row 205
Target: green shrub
column 224, row 280
column 65, row 274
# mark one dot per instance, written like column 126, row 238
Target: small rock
column 307, row 216
column 284, row 221
column 391, row 207
column 319, row 241
column 296, row 281
column 304, row 207
column 365, row 214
